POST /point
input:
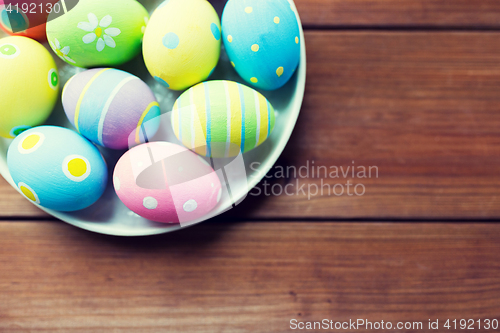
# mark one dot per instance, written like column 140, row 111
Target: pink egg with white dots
column 167, row 183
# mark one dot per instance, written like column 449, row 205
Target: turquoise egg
column 262, row 40
column 57, row 168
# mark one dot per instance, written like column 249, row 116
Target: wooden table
column 411, row 87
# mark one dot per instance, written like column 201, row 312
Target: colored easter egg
column 98, row 33
column 222, row 118
column 26, row 17
column 182, row 43
column 262, row 41
column 167, row 183
column 29, row 86
column 57, row 168
column 111, row 107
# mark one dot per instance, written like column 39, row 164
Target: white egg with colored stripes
column 110, row 107
column 222, row 118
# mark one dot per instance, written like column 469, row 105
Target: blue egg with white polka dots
column 262, row 40
column 57, row 168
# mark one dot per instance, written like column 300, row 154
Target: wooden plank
column 245, row 277
column 12, row 204
column 406, row 13
column 422, row 107
column 393, row 13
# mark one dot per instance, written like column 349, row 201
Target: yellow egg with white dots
column 182, row 42
column 29, row 86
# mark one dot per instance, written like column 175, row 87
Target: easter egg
column 182, row 43
column 26, row 17
column 262, row 40
column 167, row 183
column 222, row 118
column 98, row 33
column 29, row 86
column 57, row 168
column 111, row 107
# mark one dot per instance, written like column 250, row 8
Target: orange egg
column 26, row 18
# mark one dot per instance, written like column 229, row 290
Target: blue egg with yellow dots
column 262, row 40
column 57, row 168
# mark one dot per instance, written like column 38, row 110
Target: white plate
column 109, row 215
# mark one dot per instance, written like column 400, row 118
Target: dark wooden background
column 412, row 87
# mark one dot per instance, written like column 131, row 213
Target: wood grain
column 13, row 204
column 390, row 14
column 245, row 277
column 421, row 107
column 400, row 13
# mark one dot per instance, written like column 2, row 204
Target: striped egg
column 57, row 168
column 29, row 85
column 182, row 43
column 165, row 182
column 222, row 118
column 262, row 40
column 111, row 107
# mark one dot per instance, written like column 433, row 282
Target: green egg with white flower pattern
column 98, row 33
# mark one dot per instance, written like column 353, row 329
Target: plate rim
column 297, row 102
